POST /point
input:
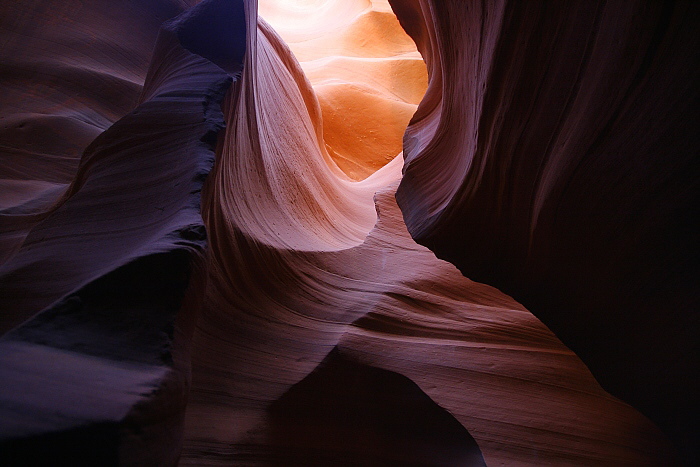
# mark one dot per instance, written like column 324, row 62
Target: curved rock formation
column 366, row 73
column 563, row 140
column 345, row 410
column 287, row 287
column 101, row 375
column 68, row 73
column 390, row 304
column 318, row 331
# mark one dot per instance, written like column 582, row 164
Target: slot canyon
column 349, row 232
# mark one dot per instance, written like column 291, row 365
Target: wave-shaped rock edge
column 102, row 375
column 563, row 140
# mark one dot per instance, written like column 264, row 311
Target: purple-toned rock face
column 208, row 250
column 565, row 139
column 101, row 375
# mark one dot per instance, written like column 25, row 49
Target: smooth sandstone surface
column 365, row 71
column 287, row 288
column 69, row 71
column 99, row 302
column 555, row 156
column 286, row 316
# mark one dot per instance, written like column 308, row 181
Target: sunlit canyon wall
column 204, row 261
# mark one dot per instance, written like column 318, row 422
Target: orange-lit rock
column 365, row 70
column 287, row 287
column 290, row 318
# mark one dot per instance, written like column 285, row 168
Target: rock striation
column 224, row 270
column 563, row 140
column 305, row 281
column 96, row 369
column 68, row 73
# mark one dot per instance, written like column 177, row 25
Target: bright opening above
column 365, row 70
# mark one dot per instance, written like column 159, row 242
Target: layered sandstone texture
column 99, row 297
column 564, row 137
column 203, row 262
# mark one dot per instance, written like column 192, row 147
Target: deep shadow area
column 126, row 315
column 216, row 31
column 126, row 319
column 91, row 445
column 348, row 413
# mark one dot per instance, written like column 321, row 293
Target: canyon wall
column 99, row 302
column 555, row 156
column 210, row 257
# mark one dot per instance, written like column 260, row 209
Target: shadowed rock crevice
column 127, row 315
column 216, row 31
column 95, row 444
column 549, row 157
column 348, row 413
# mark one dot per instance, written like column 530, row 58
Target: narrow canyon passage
column 349, row 232
column 364, row 69
column 300, row 266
